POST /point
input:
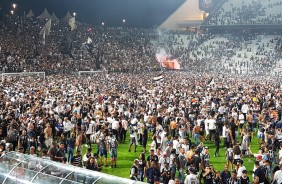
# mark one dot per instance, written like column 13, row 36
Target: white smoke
column 160, row 55
column 162, row 49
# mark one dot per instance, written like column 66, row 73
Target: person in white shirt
column 278, row 175
column 221, row 110
column 140, row 126
column 207, row 127
column 175, row 181
column 176, row 145
column 124, row 125
column 185, row 145
column 115, row 127
column 164, row 141
column 241, row 121
column 133, row 137
column 146, row 118
column 199, row 120
column 90, row 131
column 32, row 162
column 86, row 156
column 280, row 153
column 244, row 110
column 134, row 121
column 212, row 127
column 191, row 178
column 225, row 134
column 163, row 160
column 67, row 126
column 241, row 168
column 234, row 114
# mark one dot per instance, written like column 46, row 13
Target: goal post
column 90, row 73
column 23, row 74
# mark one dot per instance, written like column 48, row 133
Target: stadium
column 143, row 91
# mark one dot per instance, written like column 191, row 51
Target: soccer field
column 125, row 158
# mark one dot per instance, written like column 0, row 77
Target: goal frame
column 93, row 72
column 20, row 74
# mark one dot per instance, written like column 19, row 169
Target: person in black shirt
column 234, row 179
column 153, row 173
column 42, row 141
column 233, row 127
column 260, row 172
column 208, row 175
column 53, row 150
column 225, row 175
column 92, row 164
column 63, row 140
column 245, row 178
column 142, row 167
column 217, row 179
column 60, row 154
column 71, row 146
column 166, row 174
column 152, row 157
column 52, row 122
column 216, row 142
column 145, row 138
column 134, row 170
column 206, row 157
column 256, row 180
column 2, row 137
column 13, row 135
column 197, row 161
column 202, row 130
column 77, row 159
column 23, row 141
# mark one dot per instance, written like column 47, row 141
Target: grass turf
column 125, row 159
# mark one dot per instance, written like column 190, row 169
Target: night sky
column 139, row 13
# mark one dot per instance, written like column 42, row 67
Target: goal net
column 91, row 73
column 22, row 75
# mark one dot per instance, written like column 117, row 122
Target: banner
column 89, row 40
column 158, row 78
column 72, row 23
column 46, row 29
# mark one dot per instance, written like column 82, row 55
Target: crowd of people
column 55, row 117
column 114, row 49
column 247, row 12
column 125, row 49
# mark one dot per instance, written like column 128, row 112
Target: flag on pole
column 21, row 23
column 72, row 23
column 47, row 28
column 89, row 40
column 44, row 37
column 211, row 82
